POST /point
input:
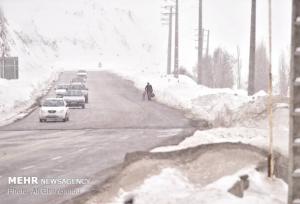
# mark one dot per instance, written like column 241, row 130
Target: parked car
column 61, row 89
column 82, row 73
column 82, row 87
column 74, row 98
column 54, row 109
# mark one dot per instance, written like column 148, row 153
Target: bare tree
column 207, row 71
column 4, row 47
column 283, row 74
column 251, row 77
column 223, row 64
column 261, row 77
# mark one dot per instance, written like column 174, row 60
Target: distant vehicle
column 81, row 87
column 61, row 89
column 82, row 73
column 100, row 65
column 79, row 80
column 74, row 98
column 54, row 109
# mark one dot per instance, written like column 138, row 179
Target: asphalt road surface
column 115, row 122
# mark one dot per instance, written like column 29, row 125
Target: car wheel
column 83, row 106
column 41, row 120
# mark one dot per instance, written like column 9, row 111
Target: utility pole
column 200, row 44
column 270, row 101
column 170, row 14
column 176, row 55
column 294, row 115
column 251, row 76
column 169, row 22
column 170, row 40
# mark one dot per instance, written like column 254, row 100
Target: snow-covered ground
column 171, row 186
column 128, row 41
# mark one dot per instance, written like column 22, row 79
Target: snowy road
column 116, row 121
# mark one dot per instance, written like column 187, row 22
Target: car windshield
column 78, row 79
column 53, row 103
column 74, row 93
column 62, row 86
column 77, row 87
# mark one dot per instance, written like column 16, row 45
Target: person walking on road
column 148, row 92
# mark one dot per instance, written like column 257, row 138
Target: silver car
column 61, row 89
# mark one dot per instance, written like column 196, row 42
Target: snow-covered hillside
column 51, row 36
column 84, row 32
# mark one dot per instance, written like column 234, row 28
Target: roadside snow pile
column 252, row 131
column 254, row 136
column 18, row 95
column 171, row 186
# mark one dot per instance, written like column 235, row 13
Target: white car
column 82, row 73
column 54, row 109
column 61, row 89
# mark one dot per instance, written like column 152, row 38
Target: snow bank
column 171, row 186
column 254, row 136
column 250, row 130
column 17, row 97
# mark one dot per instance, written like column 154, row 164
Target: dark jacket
column 149, row 88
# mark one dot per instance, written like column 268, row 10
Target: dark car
column 81, row 87
column 78, row 80
column 74, row 98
